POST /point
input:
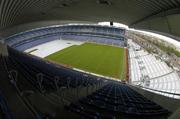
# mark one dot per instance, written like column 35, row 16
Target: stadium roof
column 156, row 15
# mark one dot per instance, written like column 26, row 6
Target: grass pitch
column 100, row 59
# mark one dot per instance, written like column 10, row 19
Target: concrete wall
column 175, row 115
column 168, row 103
column 3, row 48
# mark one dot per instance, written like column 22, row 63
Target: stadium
column 58, row 60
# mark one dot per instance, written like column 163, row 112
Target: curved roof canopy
column 156, row 15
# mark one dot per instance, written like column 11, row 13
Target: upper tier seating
column 76, row 32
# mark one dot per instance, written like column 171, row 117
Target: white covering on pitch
column 51, row 47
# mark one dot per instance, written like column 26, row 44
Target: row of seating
column 16, row 39
column 49, row 76
column 117, row 100
column 32, row 75
column 34, row 41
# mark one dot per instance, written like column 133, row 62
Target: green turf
column 100, row 59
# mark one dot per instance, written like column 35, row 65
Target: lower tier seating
column 117, row 100
column 30, row 86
